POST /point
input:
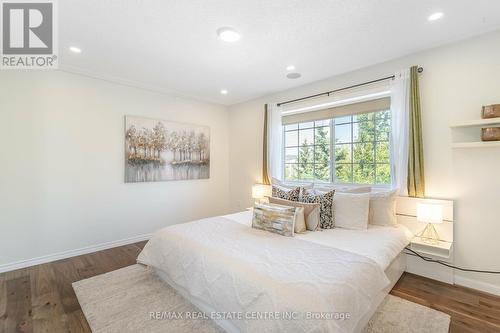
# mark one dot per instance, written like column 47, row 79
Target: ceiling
column 172, row 46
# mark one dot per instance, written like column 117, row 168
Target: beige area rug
column 125, row 300
column 397, row 315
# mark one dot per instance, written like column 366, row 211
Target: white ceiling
column 172, row 46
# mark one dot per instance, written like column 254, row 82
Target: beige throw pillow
column 311, row 213
column 383, row 208
column 351, row 210
column 300, row 220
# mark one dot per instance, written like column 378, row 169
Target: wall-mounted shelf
column 479, row 144
column 442, row 249
column 467, row 134
column 477, row 123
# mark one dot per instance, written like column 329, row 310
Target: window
column 307, row 151
column 352, row 149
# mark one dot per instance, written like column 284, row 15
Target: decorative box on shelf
column 439, row 249
column 490, row 111
column 490, row 134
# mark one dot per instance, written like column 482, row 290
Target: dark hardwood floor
column 470, row 310
column 41, row 299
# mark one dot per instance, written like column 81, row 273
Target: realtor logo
column 28, row 35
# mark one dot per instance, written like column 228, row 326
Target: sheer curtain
column 402, row 108
column 400, row 112
column 274, row 141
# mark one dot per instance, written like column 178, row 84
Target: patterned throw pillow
column 277, row 219
column 292, row 195
column 325, row 211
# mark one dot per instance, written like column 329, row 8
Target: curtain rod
column 420, row 70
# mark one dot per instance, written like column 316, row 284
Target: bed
column 324, row 281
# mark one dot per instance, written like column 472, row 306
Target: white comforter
column 239, row 270
column 382, row 244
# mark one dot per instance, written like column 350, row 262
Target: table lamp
column 260, row 191
column 430, row 214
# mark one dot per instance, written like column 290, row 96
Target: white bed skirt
column 393, row 272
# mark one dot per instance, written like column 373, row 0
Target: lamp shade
column 429, row 213
column 260, row 191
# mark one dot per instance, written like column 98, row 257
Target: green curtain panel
column 416, row 180
column 265, row 175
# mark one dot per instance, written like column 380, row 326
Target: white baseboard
column 478, row 285
column 447, row 275
column 434, row 271
column 71, row 253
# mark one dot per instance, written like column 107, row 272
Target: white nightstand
column 441, row 250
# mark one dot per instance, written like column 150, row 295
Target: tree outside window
column 356, row 148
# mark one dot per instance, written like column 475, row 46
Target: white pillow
column 351, row 210
column 383, row 208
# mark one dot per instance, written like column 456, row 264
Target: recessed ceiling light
column 290, row 68
column 228, row 34
column 75, row 49
column 223, row 92
column 293, row 75
column 435, row 16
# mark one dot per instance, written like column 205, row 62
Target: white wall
column 457, row 80
column 62, row 164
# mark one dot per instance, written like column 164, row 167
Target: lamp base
column 430, row 235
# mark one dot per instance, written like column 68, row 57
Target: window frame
column 313, row 145
column 332, row 145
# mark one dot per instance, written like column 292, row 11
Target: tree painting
column 158, row 150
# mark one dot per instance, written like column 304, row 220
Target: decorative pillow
column 311, row 213
column 300, row 220
column 325, row 209
column 283, row 193
column 350, row 210
column 287, row 187
column 383, row 208
column 274, row 218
